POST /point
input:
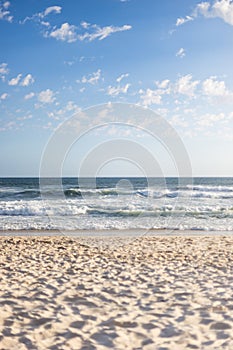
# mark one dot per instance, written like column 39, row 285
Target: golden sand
column 152, row 293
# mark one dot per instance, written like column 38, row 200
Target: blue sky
column 174, row 57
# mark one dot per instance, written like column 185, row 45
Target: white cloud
column 25, row 117
column 209, row 119
column 162, row 111
column 6, row 4
column 186, row 86
column 15, row 81
column 54, row 9
column 230, row 116
column 38, row 17
column 178, row 120
column 116, row 90
column 162, row 84
column 210, row 91
column 29, row 96
column 4, row 12
column 4, row 96
column 181, row 21
column 150, row 97
column 69, row 108
column 71, row 33
column 3, row 71
column 48, row 126
column 92, row 78
column 23, row 82
column 69, row 63
column 101, row 33
column 46, row 96
column 8, row 126
column 45, row 23
column 66, row 32
column 28, row 80
column 213, row 87
column 219, row 9
column 122, row 76
column 181, row 52
column 202, row 8
column 85, row 24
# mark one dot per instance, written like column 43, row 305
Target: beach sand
column 152, row 293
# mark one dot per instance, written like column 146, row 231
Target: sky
column 58, row 58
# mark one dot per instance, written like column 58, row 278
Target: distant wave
column 24, row 194
column 207, row 188
column 218, row 192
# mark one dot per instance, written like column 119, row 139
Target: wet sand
column 90, row 293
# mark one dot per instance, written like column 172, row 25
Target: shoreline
column 114, row 233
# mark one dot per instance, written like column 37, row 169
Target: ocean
column 203, row 204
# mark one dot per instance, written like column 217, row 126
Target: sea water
column 204, row 204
